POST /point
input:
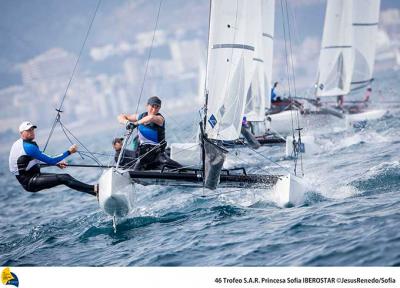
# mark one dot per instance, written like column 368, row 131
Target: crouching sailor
column 24, row 162
column 151, row 129
column 128, row 158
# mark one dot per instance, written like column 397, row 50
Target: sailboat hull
column 290, row 191
column 351, row 119
column 115, row 193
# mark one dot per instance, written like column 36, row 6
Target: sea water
column 351, row 216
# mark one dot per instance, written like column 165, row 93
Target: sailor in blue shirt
column 151, row 132
column 274, row 96
column 24, row 163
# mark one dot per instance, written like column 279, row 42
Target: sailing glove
column 130, row 125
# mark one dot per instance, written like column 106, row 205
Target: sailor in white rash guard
column 24, row 163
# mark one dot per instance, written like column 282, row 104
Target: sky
column 28, row 28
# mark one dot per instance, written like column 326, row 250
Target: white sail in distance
column 335, row 67
column 259, row 94
column 268, row 25
column 365, row 29
column 230, row 64
column 255, row 100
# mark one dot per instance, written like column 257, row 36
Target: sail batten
column 337, row 47
column 233, row 46
column 366, row 24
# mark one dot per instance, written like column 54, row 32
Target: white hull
column 115, row 193
column 290, row 191
column 365, row 116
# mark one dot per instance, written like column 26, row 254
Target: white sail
column 255, row 99
column 230, row 65
column 268, row 20
column 365, row 28
column 336, row 60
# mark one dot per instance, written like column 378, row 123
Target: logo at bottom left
column 9, row 278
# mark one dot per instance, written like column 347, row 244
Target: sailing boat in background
column 258, row 98
column 347, row 59
column 345, row 65
column 259, row 93
column 230, row 70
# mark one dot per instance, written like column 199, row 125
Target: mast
column 205, row 79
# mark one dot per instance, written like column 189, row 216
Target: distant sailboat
column 348, row 53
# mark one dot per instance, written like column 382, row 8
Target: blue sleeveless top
column 151, row 133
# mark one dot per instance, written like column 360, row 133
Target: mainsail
column 230, row 66
column 255, row 99
column 336, row 60
column 365, row 27
column 259, row 94
column 268, row 20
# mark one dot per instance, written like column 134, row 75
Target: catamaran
column 347, row 59
column 229, row 74
column 345, row 65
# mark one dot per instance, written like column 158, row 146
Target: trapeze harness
column 151, row 150
column 24, row 163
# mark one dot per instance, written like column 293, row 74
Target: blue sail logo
column 212, row 120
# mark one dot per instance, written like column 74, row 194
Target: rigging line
column 127, row 135
column 70, row 141
column 149, row 56
column 94, row 153
column 288, row 75
column 188, row 148
column 294, row 81
column 291, row 50
column 72, row 75
column 263, row 156
column 181, row 168
column 297, row 32
column 221, row 193
column 277, row 133
column 287, row 63
column 101, row 154
column 291, row 60
column 141, row 156
column 80, row 143
column 176, row 122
